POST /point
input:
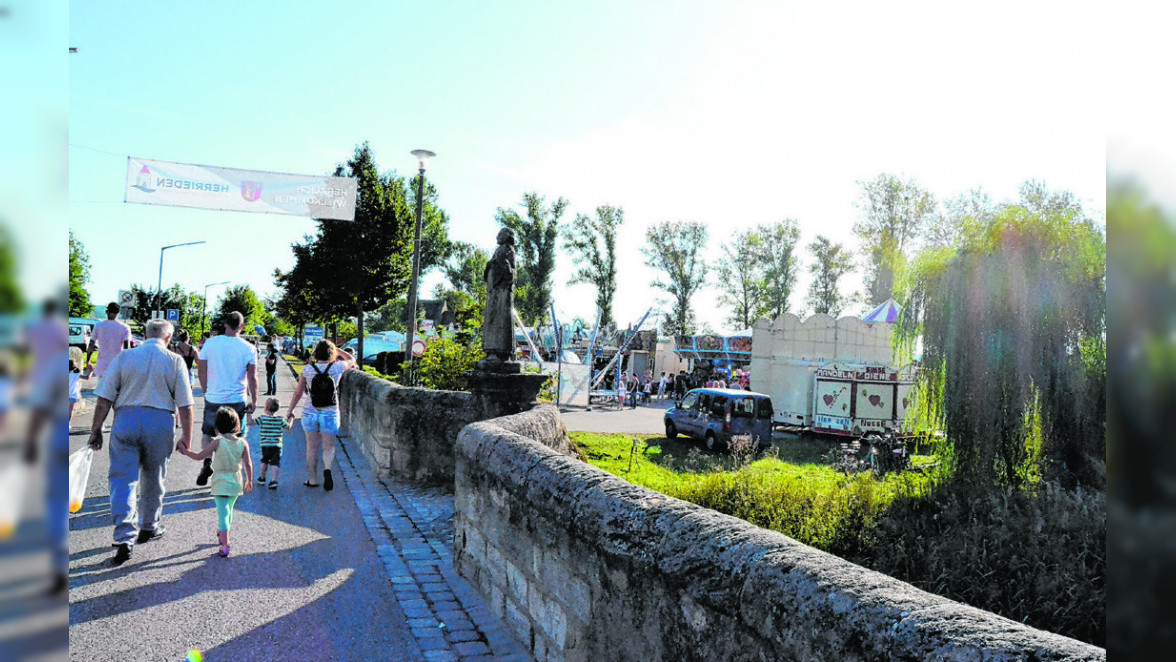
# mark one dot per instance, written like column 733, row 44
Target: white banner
column 208, row 187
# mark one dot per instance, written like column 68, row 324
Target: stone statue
column 498, row 339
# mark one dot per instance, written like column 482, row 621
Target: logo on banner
column 251, row 191
column 143, row 181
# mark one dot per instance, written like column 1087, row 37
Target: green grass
column 296, row 362
column 1038, row 558
column 788, row 488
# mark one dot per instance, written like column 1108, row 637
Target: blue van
column 714, row 415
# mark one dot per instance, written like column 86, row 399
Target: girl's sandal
column 310, row 484
column 224, row 550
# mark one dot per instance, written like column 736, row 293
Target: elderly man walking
column 144, row 386
column 227, row 367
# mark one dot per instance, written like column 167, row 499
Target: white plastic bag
column 13, row 479
column 79, row 476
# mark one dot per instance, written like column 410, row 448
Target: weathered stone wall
column 409, row 432
column 584, row 565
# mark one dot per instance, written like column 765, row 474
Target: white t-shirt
column 308, row 373
column 228, row 357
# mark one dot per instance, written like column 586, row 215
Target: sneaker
column 273, row 484
column 122, row 554
column 261, row 479
column 328, row 481
column 151, row 534
column 205, row 474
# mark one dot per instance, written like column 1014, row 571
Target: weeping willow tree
column 1013, row 329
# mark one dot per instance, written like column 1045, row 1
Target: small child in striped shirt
column 270, row 429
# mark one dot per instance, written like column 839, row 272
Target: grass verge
column 786, row 489
column 1037, row 558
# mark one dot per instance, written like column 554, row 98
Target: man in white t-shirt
column 227, row 367
column 109, row 338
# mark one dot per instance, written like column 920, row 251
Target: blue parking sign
column 173, row 314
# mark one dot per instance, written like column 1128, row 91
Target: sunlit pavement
column 360, row 573
column 32, row 623
column 608, row 418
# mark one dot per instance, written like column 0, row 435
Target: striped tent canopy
column 887, row 312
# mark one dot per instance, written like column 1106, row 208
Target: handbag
column 13, row 478
column 79, row 476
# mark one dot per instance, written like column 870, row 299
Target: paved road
column 32, row 624
column 645, row 419
column 304, row 582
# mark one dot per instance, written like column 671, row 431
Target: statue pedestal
column 503, row 393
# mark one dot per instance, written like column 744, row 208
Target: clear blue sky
column 730, row 113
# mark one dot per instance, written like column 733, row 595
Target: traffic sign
column 126, row 299
column 418, row 347
column 173, row 314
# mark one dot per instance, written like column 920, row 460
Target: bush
column 837, row 516
column 373, row 372
column 1034, row 558
column 444, row 364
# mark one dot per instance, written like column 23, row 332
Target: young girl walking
column 230, row 457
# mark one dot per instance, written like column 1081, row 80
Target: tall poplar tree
column 831, row 261
column 592, row 242
column 674, row 248
column 894, row 214
column 776, row 257
column 741, row 275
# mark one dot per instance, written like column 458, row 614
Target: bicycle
column 887, row 453
column 848, row 459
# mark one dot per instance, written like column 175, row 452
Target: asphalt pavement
column 32, row 623
column 645, row 419
column 304, row 581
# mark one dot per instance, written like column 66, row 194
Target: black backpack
column 322, row 387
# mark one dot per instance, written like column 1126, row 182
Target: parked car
column 79, row 335
column 372, row 346
column 715, row 415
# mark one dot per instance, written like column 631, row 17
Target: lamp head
column 423, row 156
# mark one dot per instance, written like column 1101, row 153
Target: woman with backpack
column 320, row 416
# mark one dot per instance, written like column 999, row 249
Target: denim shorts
column 324, row 421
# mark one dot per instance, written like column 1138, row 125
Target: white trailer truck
column 830, row 376
column 835, row 398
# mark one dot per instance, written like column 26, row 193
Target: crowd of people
column 150, row 390
column 634, row 389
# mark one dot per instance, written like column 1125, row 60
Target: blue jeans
column 141, row 440
column 271, row 383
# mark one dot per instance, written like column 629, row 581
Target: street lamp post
column 423, row 156
column 204, row 304
column 159, row 283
